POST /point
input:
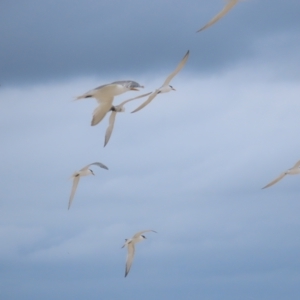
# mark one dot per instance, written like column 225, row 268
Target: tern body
column 166, row 87
column 105, row 94
column 293, row 171
column 130, row 244
column 223, row 12
column 83, row 172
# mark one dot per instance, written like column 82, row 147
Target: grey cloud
column 47, row 41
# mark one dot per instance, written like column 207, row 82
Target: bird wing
column 179, row 67
column 130, row 256
column 223, row 12
column 124, row 102
column 74, row 187
column 113, row 117
column 275, row 180
column 100, row 112
column 151, row 97
column 141, row 232
column 95, row 164
column 92, row 93
column 297, row 165
column 99, row 165
column 110, row 127
column 106, row 93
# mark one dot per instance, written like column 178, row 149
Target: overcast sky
column 190, row 165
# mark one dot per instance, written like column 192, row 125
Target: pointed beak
column 173, row 89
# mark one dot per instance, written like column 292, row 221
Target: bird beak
column 173, row 89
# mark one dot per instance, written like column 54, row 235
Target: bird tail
column 84, row 96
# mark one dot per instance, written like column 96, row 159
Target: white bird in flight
column 224, row 11
column 115, row 110
column 138, row 237
column 293, row 171
column 83, row 172
column 105, row 94
column 166, row 87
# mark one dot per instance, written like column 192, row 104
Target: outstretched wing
column 104, row 93
column 151, row 97
column 101, row 111
column 74, row 187
column 138, row 97
column 110, row 127
column 96, row 164
column 141, row 232
column 177, row 70
column 275, row 180
column 130, row 256
column 297, row 165
column 113, row 117
column 223, row 12
column 92, row 93
column 99, row 165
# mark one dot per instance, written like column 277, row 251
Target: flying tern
column 105, row 94
column 230, row 4
column 166, row 87
column 293, row 171
column 115, row 110
column 83, row 172
column 130, row 243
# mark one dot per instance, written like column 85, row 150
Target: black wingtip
column 200, row 29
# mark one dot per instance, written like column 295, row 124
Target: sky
column 191, row 165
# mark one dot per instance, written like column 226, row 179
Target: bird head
column 134, row 86
column 119, row 108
